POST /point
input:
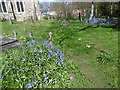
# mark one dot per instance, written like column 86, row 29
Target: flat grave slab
column 7, row 42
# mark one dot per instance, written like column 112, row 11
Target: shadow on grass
column 71, row 34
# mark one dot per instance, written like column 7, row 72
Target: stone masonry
column 30, row 9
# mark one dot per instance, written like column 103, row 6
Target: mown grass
column 73, row 41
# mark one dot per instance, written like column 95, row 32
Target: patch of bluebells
column 29, row 85
column 43, row 52
column 98, row 20
column 51, row 51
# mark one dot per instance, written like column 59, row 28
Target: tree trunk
column 79, row 17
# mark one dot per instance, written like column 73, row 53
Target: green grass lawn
column 94, row 50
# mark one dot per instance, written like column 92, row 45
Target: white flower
column 88, row 46
column 79, row 39
column 71, row 78
column 50, row 80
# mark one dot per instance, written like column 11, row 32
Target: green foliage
column 104, row 57
column 36, row 66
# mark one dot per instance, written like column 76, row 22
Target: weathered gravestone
column 50, row 38
column 7, row 42
column 64, row 23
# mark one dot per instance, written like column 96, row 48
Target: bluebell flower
column 23, row 60
column 45, row 42
column 41, row 41
column 62, row 57
column 36, row 81
column 1, row 77
column 42, row 58
column 25, row 47
column 58, row 51
column 29, row 85
column 32, row 42
column 53, row 47
column 55, row 53
column 26, row 68
column 14, row 67
column 50, row 51
column 58, row 64
column 49, row 56
column 46, row 78
column 39, row 51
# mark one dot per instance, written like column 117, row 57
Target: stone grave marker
column 7, row 42
column 64, row 23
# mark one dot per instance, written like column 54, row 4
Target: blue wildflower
column 23, row 60
column 1, row 77
column 41, row 41
column 25, row 47
column 53, row 47
column 36, row 81
column 29, row 85
column 55, row 53
column 14, row 67
column 62, row 57
column 58, row 64
column 32, row 42
column 49, row 56
column 42, row 58
column 45, row 42
column 39, row 51
column 26, row 68
column 46, row 78
column 50, row 51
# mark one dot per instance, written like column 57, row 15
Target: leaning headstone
column 30, row 34
column 64, row 23
column 15, row 35
column 7, row 42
